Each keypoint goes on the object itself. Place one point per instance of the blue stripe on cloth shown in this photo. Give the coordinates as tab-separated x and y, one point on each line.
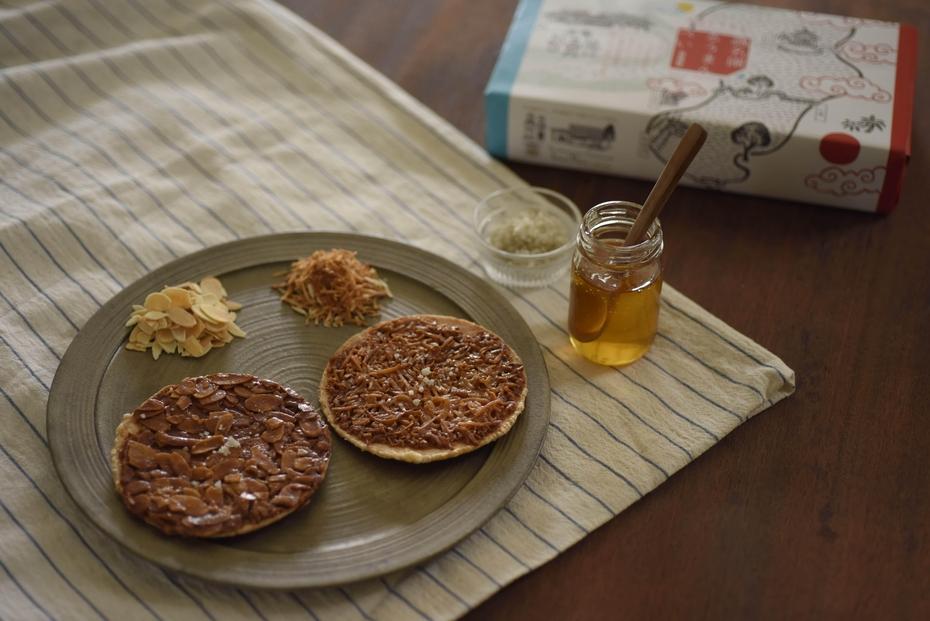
610	433
352	601
12	401
51	563
64	223
19	411
575	484
306	130
66	190
47	251
442	585
556	508
38	289
483	530
304	606
386	127
32	328
406	601
28	595
53	260
693	390
475	566
197	602
597	460
251	604
508	511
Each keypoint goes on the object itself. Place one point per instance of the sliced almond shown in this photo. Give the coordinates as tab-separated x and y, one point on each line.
181	317
213	285
196	331
194	348
179	334
217	312
157	302
180	298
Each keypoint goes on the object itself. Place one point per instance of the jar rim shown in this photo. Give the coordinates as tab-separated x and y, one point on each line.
624	212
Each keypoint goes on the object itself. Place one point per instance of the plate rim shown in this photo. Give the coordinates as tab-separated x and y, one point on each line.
70	371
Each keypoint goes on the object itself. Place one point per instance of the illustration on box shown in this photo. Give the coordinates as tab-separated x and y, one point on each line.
797	105
767	107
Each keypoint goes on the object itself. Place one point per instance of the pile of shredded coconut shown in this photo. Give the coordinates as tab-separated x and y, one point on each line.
333	287
528	231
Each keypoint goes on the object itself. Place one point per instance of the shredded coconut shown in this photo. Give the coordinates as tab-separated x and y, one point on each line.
528	231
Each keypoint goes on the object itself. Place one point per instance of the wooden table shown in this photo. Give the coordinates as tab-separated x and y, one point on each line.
819	507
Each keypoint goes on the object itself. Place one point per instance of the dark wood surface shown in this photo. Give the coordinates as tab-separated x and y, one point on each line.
820	506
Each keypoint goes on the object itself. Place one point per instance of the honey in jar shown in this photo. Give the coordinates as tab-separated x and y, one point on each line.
615	289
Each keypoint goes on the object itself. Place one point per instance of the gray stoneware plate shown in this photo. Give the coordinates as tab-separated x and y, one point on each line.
371	516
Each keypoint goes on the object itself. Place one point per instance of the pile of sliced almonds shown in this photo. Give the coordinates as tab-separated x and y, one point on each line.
189	319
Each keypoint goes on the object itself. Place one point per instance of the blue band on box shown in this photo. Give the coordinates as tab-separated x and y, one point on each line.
497	93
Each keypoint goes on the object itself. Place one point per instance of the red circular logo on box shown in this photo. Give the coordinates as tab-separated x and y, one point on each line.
839	148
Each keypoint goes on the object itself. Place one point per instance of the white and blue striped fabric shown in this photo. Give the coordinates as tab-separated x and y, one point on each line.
133	132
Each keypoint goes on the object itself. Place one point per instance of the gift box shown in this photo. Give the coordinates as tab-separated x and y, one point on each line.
797	105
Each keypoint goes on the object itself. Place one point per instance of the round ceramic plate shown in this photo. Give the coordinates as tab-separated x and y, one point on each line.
371	516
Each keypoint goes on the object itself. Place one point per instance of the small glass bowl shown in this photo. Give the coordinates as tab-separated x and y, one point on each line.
517	269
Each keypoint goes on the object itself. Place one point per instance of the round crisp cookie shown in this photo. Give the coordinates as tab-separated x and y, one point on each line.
219	455
423	388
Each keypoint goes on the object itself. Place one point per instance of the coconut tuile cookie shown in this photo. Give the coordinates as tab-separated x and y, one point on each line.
423	388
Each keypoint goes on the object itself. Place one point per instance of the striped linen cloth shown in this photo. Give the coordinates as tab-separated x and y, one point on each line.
133	132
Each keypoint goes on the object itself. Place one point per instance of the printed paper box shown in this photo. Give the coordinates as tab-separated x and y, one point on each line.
800	106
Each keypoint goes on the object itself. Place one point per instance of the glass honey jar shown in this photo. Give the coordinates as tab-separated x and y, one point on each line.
614	300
